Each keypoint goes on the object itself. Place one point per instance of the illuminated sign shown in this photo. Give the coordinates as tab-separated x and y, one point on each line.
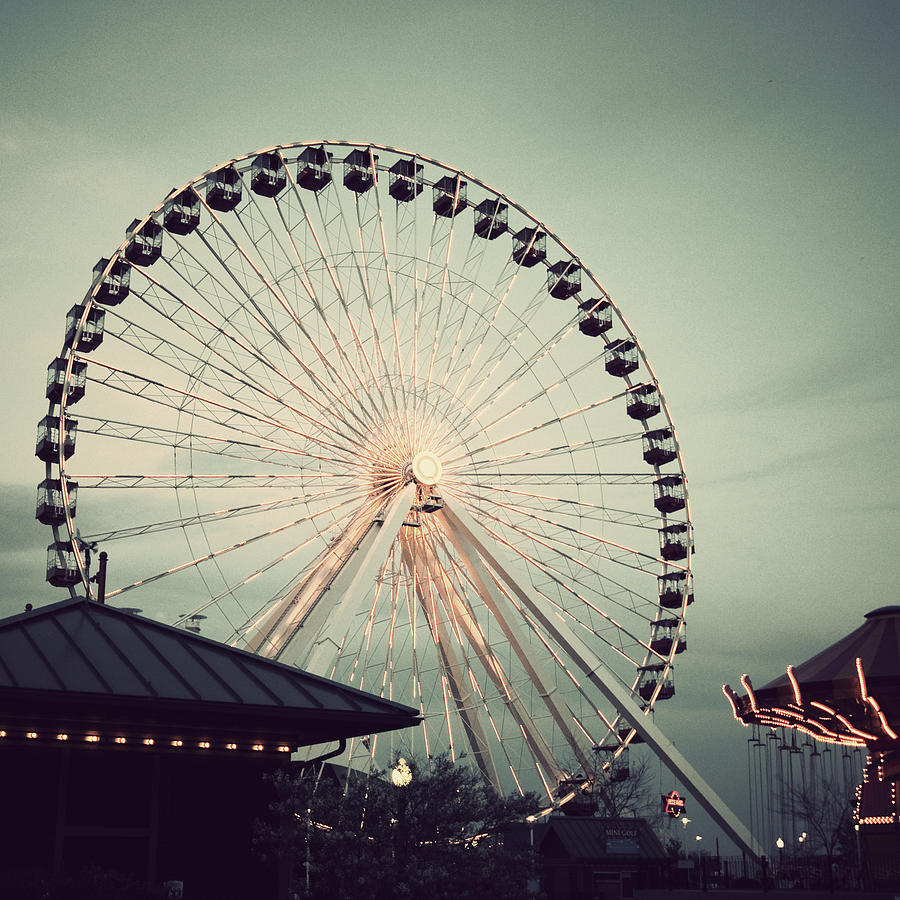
673	804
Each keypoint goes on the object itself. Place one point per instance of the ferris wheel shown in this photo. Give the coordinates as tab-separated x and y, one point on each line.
369	416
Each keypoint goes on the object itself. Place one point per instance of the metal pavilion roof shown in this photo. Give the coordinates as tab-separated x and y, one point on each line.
79	665
849	693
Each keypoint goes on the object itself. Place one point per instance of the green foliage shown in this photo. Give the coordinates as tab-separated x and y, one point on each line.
92	883
437	837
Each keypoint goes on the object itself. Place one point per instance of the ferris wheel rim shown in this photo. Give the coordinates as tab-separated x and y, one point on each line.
71	355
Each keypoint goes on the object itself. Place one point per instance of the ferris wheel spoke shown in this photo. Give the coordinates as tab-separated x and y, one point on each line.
196	481
519	407
327	254
543	453
296	319
546	478
638	605
306	281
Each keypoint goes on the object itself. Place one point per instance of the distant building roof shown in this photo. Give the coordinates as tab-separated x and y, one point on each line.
590	839
79	664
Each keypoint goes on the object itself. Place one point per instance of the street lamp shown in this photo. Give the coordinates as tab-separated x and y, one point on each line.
401	774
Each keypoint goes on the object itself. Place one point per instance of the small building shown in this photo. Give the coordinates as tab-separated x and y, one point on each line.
135	746
584	856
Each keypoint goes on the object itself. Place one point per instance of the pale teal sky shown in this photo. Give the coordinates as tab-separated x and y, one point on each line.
729	170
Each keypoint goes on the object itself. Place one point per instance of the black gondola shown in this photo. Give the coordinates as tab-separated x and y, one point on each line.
113	288
314	168
267	175
406	180
47	444
529	247
359	171
91	332
491	219
449	196
224	189
182	212
145	247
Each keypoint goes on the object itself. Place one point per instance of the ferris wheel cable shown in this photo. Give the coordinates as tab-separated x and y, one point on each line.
542	452
197	317
117	379
615	516
544	393
543	349
530	514
217	553
438	340
272	330
228	388
321	243
193	441
208	480
313	297
362	271
495	672
566	612
473	261
499	294
205	518
555	420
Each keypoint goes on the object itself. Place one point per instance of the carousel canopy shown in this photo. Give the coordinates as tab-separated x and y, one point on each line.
848	694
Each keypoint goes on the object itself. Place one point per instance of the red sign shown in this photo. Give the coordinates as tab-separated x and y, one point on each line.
673	804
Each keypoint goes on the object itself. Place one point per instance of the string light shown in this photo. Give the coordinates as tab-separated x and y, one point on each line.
121	740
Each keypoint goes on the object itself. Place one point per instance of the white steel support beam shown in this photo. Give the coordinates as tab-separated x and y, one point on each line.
535	741
423	572
350	585
277	625
518	633
604	680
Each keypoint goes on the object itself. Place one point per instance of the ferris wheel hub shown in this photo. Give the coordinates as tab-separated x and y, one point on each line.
427	468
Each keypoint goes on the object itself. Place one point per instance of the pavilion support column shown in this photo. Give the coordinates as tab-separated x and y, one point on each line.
62	805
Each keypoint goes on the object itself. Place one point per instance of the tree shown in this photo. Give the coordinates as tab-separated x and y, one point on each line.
626	791
827	811
439	836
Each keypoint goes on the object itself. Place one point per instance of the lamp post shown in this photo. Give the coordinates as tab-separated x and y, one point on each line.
779	843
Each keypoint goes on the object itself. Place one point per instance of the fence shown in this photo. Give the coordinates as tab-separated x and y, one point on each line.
787	873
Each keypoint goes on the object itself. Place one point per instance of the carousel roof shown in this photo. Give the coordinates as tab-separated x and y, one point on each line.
849	693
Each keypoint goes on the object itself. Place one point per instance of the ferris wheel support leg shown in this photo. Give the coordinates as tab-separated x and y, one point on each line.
517	632
306	646
463	698
605	682
495	671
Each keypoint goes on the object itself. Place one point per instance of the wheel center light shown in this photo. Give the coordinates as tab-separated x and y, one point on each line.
427	468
